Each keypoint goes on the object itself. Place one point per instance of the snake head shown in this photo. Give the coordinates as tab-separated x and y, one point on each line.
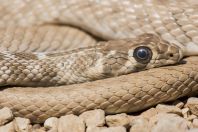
149	51
144	52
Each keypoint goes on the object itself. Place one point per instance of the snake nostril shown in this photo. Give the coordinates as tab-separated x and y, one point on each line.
171	55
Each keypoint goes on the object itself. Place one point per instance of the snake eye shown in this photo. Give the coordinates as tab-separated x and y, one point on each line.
142	54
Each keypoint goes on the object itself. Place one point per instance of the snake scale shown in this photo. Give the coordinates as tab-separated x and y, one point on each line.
34	32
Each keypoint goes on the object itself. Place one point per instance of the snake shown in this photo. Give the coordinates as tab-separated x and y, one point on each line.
62	57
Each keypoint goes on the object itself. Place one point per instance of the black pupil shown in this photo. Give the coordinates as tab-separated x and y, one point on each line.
142	53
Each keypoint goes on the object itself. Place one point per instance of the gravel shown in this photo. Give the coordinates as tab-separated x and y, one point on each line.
177	116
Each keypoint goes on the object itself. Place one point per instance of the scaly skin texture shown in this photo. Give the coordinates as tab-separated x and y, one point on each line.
106	59
43	38
173	20
127	93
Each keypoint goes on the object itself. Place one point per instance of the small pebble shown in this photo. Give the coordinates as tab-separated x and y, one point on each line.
93	118
5	115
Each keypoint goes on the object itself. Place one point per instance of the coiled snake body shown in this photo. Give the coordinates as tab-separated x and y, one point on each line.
24	29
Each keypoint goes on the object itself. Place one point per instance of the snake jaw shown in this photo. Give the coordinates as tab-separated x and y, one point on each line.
170	55
162	53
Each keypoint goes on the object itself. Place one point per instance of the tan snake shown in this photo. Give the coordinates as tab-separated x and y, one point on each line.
23	28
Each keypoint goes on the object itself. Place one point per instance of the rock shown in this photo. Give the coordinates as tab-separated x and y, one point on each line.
5	115
118	120
191	117
189	123
178	104
192	104
185	112
22	124
38	128
8	127
105	129
149	113
161	108
41	130
94	118
193	130
71	123
195	123
51	124
168	123
140	124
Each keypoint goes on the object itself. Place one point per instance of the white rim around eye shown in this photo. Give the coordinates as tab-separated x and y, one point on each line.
142	54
